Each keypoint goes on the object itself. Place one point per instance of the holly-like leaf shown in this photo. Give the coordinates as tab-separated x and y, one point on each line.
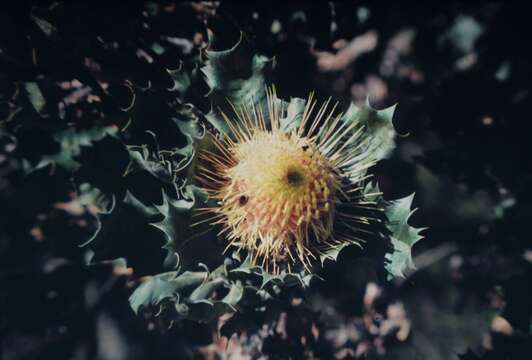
127	220
284	278
378	133
236	76
72	141
161	164
333	252
163	286
175	221
153	291
142	159
403	236
192	294
183	80
201	305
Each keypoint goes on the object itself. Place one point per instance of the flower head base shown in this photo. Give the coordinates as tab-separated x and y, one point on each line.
280	193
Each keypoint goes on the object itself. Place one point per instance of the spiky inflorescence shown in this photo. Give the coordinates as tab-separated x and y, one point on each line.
281	195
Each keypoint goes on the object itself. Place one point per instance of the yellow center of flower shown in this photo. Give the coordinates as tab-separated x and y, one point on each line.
280	194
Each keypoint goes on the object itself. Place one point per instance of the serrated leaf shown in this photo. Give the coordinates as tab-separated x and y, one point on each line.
205	290
403	236
266	278
182	79
72	141
163	286
142	159
147	211
175	221
202	304
378	133
203	309
247	266
128	219
195	133
164	165
333	252
152	292
236	76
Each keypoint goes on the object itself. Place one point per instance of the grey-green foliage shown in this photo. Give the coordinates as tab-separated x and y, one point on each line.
378	131
404	236
190	290
237	76
71	143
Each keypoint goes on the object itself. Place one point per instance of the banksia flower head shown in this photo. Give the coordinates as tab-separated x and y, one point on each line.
287	195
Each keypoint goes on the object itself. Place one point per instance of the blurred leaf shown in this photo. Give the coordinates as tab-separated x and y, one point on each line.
294	114
463	34
35	96
72	141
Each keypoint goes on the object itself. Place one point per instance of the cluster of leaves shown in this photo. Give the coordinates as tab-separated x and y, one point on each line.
144	223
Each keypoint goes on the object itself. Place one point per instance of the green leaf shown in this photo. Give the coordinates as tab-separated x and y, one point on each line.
200	301
153	291
284	278
294	114
163	286
35	96
333	252
235	294
463	34
72	141
45	26
205	290
200	307
175	223
161	164
194	130
378	131
403	236
236	76
183	80
126	220
142	159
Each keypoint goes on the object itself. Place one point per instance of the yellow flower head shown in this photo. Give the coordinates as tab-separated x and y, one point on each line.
279	192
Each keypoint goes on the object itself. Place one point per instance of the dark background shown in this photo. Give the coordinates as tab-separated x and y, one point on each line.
461	75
